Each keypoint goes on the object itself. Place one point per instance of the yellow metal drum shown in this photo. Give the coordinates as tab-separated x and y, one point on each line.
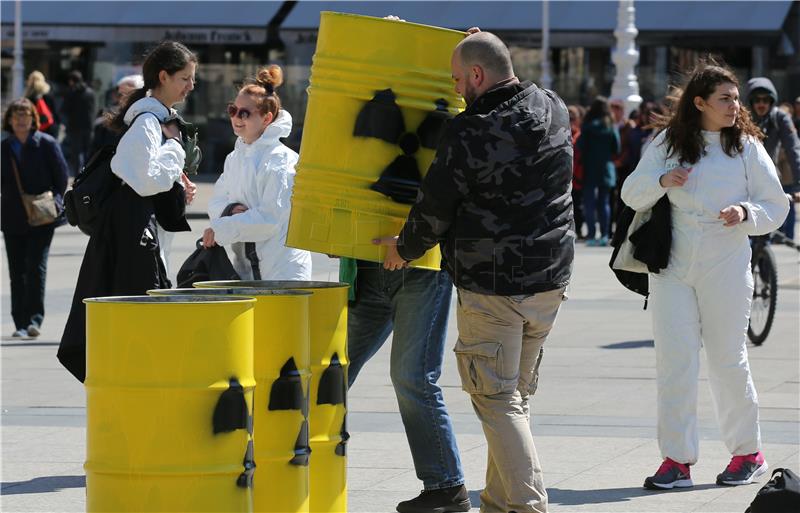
169	398
379	95
327	430
282	373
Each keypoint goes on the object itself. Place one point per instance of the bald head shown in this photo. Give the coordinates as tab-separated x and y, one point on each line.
486	50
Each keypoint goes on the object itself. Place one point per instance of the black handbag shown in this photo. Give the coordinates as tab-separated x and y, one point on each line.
781	494
206	264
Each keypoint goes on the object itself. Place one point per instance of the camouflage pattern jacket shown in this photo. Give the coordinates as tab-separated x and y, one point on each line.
498	195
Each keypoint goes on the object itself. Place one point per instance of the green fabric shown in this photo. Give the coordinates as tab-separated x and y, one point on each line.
348	269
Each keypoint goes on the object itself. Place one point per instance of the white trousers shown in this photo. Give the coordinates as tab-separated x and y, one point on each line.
703	300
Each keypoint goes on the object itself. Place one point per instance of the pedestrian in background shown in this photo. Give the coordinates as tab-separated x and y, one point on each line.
79	112
37	90
497	199
779	134
575	121
31	160
722	187
103	135
255	188
599	144
124	254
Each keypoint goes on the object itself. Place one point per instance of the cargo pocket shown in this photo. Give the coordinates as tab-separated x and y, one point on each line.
477	366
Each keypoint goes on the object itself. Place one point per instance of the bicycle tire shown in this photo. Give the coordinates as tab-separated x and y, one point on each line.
765	293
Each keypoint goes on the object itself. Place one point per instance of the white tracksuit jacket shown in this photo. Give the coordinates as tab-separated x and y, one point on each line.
702	298
260	176
141	149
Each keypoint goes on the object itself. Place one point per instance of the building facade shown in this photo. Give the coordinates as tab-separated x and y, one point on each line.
106	40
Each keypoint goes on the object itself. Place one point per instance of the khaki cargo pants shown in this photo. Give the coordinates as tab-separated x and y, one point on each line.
499	350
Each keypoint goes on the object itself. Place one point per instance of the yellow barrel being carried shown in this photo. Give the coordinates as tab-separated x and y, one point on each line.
380	94
282	374
169	398
327	409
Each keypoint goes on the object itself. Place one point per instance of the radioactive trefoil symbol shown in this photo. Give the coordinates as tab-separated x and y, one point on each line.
381	118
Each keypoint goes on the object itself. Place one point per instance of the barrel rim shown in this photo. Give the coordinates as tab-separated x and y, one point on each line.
229	291
271	284
184	299
385	20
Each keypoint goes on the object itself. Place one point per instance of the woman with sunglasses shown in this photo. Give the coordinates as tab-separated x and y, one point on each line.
249	209
124	255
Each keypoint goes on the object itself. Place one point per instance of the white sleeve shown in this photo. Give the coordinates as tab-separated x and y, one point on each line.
220	197
145	164
767	204
641	190
265	220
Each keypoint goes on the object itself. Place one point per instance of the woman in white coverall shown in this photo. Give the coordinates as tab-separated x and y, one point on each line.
252	198
722	187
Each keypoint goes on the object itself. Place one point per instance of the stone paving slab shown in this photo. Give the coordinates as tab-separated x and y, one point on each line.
593	416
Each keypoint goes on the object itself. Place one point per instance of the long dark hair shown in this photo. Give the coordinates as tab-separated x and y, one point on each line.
599	110
682	121
169	56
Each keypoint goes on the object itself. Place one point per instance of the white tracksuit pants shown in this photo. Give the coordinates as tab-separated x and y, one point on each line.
703	300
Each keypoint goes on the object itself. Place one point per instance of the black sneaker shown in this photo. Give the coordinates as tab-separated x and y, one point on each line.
743	470
443	500
670	474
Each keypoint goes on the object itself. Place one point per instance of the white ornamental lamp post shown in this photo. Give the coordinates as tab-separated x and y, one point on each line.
18	69
625	57
547	80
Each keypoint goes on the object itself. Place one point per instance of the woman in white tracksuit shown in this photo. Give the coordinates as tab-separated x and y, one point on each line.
252	198
722	187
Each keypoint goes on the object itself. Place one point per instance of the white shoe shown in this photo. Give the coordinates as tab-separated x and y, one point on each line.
33	331
20	334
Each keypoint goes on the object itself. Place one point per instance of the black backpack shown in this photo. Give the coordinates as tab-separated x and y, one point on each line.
84	202
781	494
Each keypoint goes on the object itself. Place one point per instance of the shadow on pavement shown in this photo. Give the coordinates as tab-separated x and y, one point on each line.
42	485
633	344
566	497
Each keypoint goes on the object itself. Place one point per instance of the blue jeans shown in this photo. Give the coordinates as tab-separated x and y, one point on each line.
415	303
595	201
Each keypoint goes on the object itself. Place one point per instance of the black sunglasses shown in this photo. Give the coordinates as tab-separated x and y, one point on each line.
236	112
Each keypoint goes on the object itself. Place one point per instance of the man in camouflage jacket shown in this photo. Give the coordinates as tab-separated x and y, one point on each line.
497	198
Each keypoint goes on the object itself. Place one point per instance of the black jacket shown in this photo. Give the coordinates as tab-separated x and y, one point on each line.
498	195
42	168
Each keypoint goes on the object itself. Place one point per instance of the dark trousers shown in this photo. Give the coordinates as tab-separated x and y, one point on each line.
79	144
27	269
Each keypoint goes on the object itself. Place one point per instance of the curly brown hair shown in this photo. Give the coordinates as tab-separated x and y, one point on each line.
682	121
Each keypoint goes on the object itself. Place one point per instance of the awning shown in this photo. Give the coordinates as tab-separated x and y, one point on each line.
568	16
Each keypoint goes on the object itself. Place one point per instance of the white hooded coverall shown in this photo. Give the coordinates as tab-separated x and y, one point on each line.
261	177
143	148
703	297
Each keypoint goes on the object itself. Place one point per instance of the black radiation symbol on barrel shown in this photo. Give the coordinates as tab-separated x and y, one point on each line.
287	394
231	413
381	118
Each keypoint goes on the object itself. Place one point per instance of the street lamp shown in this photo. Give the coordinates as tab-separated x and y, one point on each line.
18	69
625	56
547	80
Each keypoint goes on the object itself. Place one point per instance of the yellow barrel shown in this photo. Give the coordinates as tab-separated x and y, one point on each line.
327	408
380	93
169	401
282	373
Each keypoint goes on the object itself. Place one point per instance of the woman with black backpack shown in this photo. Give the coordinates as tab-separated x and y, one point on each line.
722	187
124	255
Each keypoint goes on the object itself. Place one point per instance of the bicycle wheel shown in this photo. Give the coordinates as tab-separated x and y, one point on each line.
765	295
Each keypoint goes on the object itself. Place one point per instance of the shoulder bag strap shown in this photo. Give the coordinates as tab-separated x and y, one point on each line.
19	187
